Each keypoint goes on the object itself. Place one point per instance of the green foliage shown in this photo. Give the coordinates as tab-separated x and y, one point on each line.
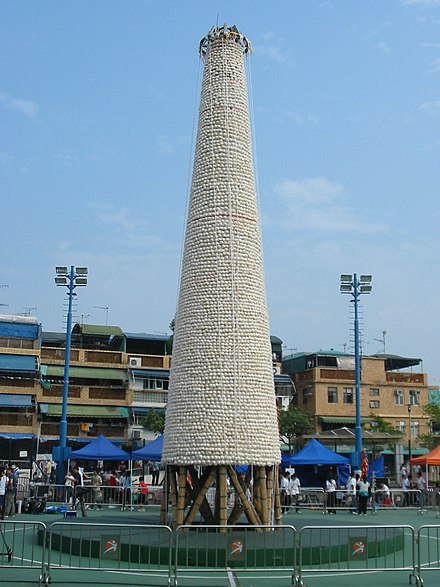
294	422
431	440
381	425
154	421
171	339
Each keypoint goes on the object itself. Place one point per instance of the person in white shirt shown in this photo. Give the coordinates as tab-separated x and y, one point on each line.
351	493
330	487
421	486
3	480
295	491
284	492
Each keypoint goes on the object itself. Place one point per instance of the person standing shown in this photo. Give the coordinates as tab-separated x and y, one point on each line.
143	494
421	486
97	490
155	472
330	487
407	487
9	494
364	489
295	491
351	493
284	492
2	492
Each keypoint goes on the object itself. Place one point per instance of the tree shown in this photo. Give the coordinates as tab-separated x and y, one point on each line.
171	338
154	421
293	423
431	440
378	424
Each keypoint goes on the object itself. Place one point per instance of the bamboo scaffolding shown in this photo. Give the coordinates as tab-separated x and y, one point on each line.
181	498
201	495
249	509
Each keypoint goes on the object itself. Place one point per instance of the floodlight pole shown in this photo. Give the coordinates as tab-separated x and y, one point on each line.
352	285
70	283
357	367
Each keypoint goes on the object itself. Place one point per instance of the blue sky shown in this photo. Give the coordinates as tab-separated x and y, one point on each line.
96	121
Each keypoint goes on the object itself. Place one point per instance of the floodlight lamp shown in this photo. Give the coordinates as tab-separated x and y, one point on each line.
61	280
365	289
61	270
81	271
346	288
81	281
346	278
366	278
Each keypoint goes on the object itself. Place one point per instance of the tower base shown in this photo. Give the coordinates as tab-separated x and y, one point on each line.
205	491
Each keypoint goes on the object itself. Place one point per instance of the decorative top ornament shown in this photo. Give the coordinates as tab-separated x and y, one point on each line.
226	33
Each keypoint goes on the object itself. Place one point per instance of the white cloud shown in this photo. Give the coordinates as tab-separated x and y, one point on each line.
431	107
424	3
318	204
383	47
26	107
272	48
436	66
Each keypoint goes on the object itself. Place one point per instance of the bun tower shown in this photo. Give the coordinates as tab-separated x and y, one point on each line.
221	428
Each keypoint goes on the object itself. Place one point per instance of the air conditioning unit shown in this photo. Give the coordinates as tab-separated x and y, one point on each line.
276	370
135	362
137	434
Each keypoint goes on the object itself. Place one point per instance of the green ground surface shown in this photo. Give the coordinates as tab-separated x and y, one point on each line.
24	551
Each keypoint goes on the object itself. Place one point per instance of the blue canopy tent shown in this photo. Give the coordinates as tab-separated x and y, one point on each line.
312	456
100	449
150	452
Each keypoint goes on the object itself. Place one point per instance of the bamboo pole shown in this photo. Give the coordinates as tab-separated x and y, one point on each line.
223	496
181	498
165	498
277	507
270	492
257	492
201	496
249	509
264	514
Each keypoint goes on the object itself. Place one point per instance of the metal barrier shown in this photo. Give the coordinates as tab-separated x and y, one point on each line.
22	546
428	554
336	549
143	549
208	549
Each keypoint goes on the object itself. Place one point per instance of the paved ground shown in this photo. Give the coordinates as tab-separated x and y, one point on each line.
87	578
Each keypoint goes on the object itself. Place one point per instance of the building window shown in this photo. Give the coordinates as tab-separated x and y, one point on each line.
156	384
401	427
399	398
374	392
332	395
415	429
374	404
348	395
414	397
307	394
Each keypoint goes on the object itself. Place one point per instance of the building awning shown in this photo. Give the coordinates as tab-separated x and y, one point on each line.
85	412
17	436
85	372
9	400
144	374
341	420
97	330
18	364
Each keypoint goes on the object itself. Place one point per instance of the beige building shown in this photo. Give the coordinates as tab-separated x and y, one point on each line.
393	388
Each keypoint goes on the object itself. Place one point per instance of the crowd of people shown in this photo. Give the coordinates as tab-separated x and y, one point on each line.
8	490
107	487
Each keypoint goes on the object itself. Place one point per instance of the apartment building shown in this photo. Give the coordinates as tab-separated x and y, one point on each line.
392	387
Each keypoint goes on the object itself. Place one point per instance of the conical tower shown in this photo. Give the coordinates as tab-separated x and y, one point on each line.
221	409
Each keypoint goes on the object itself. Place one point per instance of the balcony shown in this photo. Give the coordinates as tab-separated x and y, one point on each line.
410	378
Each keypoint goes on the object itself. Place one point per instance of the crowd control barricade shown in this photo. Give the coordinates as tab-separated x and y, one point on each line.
336	549
22	546
428	551
411	498
143	550
312	498
204	550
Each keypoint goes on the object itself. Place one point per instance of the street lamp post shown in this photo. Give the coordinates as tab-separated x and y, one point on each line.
75	277
351	284
409	435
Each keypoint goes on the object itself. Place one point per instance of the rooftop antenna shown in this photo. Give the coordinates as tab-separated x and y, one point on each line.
27	311
382	340
106	312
